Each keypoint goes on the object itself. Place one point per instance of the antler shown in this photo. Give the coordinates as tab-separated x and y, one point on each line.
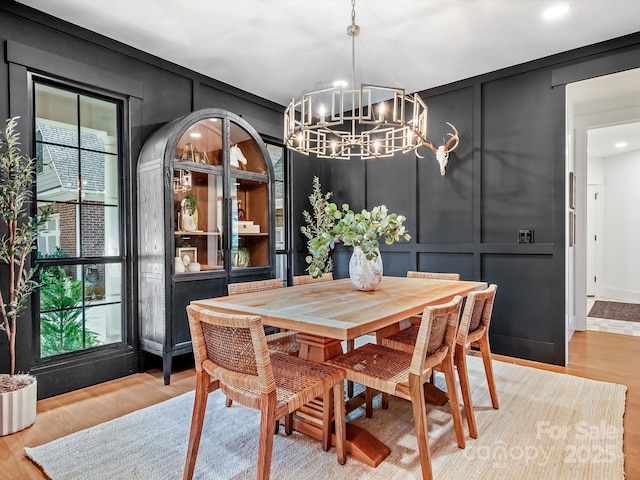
442	152
454	137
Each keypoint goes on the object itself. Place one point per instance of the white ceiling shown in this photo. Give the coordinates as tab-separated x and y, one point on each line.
281	48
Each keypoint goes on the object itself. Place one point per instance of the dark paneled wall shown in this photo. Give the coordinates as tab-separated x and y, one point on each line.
507	174
157	91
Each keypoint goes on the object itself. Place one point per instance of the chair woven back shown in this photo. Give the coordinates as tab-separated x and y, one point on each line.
257	286
433	276
477	312
436	335
304	279
235	346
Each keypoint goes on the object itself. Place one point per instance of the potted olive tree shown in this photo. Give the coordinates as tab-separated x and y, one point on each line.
329	224
18	393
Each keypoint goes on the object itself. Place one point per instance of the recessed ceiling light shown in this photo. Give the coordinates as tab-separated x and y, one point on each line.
621	144
557	11
340	83
195	135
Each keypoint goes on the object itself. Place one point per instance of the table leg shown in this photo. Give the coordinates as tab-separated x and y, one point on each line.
361	444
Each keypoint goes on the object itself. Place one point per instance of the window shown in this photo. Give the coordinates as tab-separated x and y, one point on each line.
277	155
80	249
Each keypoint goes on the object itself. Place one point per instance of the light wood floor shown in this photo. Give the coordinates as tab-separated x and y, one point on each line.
600	356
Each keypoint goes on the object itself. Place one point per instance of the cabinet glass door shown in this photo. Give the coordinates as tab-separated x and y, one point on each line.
250	223
198	198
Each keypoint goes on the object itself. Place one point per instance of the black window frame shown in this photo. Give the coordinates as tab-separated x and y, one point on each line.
127	285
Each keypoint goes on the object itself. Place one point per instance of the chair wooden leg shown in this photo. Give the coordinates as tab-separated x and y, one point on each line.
385	400
288	424
350	346
228	402
327	414
463	375
485	349
368	398
339	415
447	369
199	407
265	440
420	421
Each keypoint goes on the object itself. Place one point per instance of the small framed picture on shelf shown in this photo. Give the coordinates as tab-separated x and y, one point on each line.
190	252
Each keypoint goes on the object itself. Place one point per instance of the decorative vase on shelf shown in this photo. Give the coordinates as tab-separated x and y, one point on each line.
189	214
178	265
365	274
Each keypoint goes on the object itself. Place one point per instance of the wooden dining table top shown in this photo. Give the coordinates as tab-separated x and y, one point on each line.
337	310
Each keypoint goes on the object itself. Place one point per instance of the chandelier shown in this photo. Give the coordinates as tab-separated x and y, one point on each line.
369	122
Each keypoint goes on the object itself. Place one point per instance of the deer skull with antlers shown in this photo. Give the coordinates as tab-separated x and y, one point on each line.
442	152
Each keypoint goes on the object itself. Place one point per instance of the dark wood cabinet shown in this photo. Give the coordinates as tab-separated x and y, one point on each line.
205	219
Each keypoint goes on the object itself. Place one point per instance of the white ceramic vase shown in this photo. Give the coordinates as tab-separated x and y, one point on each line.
18	409
365	274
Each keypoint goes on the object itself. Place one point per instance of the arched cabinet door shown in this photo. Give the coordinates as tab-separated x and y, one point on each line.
206	218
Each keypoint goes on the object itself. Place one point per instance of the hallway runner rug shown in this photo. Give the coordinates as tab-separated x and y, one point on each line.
549	426
628	312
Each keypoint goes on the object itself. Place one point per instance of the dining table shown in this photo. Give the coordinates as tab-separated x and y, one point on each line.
327	313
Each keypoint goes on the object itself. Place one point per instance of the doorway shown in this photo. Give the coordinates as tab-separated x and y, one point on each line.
603	123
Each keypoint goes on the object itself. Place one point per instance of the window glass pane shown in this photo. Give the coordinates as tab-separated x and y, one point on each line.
100	230
56	115
98	125
202	143
276	152
59	236
244	152
61	314
104	309
58	178
49	238
99	173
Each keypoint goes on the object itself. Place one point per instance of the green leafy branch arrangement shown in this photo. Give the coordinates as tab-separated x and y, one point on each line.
318	230
329	225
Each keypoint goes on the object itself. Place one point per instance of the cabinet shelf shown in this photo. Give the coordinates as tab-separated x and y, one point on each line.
261	234
184	232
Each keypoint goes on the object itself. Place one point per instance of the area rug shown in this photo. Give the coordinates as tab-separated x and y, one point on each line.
549	425
628	312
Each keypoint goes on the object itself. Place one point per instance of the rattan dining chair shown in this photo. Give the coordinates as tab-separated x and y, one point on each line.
430	276
305	279
283	341
402	374
231	353
473	330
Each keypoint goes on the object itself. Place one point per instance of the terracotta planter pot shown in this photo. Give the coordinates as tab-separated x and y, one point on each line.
18	409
